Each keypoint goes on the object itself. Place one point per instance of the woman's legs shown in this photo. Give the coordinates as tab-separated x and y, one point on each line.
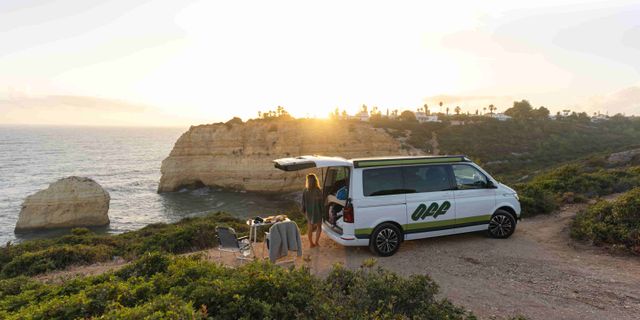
310	234
318	232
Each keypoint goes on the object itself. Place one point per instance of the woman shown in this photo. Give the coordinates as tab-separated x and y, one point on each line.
312	208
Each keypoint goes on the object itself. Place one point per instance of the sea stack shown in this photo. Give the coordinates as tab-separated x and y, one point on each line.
67	203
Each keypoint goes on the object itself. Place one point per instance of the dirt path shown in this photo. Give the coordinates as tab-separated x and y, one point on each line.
538	272
435	146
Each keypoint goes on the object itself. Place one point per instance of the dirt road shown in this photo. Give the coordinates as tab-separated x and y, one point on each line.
539	272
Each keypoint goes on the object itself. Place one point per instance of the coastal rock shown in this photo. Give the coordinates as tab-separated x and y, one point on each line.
66	203
624	157
239	155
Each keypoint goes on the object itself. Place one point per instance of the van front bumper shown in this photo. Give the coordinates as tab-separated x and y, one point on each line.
343	239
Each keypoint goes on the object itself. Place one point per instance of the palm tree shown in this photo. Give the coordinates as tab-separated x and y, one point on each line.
447	110
492	108
426	109
457	110
484	110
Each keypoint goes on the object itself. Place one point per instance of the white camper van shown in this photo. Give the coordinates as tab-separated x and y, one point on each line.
380	202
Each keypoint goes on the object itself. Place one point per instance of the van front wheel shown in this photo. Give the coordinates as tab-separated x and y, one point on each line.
385	240
502	225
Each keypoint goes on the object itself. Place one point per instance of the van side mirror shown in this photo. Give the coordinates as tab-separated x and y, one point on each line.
491	185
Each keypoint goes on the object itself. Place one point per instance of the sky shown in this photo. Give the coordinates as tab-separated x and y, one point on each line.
135	62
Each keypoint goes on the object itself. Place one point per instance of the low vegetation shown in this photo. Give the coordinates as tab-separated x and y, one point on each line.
574	182
84	247
157	286
615	223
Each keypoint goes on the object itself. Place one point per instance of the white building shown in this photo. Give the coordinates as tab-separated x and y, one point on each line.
422	117
499	116
362	116
599	118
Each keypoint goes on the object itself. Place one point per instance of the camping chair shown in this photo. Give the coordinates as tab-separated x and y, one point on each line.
228	241
267	239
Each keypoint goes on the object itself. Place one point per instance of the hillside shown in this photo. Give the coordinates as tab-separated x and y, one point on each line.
518	148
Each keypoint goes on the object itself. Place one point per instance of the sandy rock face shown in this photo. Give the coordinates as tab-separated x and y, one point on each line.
239	156
66	203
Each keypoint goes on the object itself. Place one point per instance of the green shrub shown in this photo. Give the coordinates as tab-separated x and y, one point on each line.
614	223
577	182
54	258
190	288
84	247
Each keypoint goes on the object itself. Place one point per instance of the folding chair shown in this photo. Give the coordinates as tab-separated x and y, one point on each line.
228	241
267	239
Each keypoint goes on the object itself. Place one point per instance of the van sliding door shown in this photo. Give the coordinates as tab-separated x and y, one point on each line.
430	205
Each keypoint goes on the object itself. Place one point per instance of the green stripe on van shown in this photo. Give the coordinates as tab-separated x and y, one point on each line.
364	231
397	162
408	228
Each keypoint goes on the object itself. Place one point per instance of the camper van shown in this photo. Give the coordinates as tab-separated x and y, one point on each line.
381	202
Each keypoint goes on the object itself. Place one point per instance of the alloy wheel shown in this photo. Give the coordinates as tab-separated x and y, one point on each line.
387	240
500	225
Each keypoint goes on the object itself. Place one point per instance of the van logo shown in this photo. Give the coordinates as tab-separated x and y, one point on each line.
434	210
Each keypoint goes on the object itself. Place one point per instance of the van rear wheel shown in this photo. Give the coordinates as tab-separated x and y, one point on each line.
502	225
385	240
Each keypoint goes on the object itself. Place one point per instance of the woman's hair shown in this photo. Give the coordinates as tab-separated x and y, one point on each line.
312	182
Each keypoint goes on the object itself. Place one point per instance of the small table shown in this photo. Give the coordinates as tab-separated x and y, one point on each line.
253	232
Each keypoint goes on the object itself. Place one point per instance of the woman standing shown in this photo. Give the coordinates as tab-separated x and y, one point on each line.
312	207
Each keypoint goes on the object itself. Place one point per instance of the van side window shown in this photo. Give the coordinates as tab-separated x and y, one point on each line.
383	181
427	178
468	177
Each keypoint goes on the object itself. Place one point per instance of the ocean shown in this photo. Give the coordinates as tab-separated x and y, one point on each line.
125	161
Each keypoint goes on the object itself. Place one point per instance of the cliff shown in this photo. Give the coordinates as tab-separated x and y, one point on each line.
239	155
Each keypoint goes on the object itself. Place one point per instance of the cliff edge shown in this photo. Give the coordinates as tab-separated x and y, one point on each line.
238	155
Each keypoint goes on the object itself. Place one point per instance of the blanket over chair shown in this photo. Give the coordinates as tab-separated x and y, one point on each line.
284	237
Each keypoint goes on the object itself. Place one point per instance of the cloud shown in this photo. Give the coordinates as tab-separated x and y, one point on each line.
625	101
83	110
67	101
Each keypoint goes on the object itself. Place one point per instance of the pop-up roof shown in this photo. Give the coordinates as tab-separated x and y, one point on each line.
306	162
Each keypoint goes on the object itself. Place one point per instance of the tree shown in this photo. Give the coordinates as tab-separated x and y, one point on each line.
520	110
457	110
426	109
540	113
492	108
408	116
484	110
447	110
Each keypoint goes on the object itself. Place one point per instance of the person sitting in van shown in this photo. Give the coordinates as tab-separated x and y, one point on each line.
312	208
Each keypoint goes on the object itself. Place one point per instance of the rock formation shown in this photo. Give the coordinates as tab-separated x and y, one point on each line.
66	203
624	157
239	155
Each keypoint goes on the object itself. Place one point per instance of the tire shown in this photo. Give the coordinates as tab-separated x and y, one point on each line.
502	225
385	240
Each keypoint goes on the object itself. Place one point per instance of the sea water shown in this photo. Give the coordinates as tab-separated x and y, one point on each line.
125	161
